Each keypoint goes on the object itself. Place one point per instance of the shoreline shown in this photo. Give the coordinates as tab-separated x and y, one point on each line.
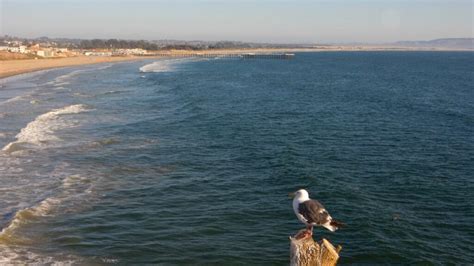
21	66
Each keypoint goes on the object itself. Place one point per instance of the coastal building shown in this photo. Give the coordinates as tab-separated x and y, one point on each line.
134	51
14	49
45	53
34	47
94	53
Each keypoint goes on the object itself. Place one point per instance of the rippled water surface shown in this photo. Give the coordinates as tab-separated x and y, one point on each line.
191	161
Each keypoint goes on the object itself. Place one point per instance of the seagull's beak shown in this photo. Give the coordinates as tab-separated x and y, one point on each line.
291	195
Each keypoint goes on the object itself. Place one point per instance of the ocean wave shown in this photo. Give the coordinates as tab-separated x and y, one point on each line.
18	77
104	67
65	79
14	99
101	143
25	216
10	165
80	94
41	131
114	92
165	65
159	66
69	75
74	190
22	256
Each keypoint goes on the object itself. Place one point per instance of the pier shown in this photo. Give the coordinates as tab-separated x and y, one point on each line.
284	56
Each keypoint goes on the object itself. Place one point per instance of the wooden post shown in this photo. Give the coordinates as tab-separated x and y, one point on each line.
305	252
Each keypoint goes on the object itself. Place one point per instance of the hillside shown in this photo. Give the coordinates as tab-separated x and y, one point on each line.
448	43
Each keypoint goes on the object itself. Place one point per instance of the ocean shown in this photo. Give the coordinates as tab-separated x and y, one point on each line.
190	161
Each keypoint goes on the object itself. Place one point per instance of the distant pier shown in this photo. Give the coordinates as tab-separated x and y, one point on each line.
284	56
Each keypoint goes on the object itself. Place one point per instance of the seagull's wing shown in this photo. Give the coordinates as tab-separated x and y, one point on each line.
314	212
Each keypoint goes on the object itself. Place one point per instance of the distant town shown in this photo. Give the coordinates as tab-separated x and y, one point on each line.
44	47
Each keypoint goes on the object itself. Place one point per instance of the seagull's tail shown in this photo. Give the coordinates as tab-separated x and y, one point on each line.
333	225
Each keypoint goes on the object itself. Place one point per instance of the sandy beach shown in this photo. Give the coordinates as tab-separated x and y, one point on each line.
15	67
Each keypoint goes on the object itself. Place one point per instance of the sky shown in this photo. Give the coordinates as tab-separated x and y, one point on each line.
283	21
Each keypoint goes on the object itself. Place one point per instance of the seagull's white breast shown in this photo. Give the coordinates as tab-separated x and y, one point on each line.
296	203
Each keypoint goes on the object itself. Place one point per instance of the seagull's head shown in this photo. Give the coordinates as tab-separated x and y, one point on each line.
300	194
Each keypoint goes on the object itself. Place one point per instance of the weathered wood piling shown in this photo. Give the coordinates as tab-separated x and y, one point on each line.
304	251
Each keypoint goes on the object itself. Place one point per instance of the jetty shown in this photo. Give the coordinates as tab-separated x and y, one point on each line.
284	56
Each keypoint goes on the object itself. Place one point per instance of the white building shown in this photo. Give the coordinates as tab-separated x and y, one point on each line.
14	49
22	49
135	51
91	53
45	53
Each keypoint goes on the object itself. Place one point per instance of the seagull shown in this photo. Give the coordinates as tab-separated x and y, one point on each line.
311	212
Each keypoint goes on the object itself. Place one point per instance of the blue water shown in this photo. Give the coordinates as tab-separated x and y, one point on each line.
191	161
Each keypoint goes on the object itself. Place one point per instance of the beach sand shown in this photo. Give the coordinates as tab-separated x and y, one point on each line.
15	67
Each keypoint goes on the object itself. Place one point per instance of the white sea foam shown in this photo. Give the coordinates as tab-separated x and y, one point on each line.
74	180
105	67
18	77
159	66
41	131
166	65
65	79
24	216
71	198
14	99
22	256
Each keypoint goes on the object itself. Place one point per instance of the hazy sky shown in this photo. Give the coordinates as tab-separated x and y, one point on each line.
244	20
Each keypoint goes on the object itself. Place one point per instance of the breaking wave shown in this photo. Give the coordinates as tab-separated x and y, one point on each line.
41	131
105	67
75	190
18	77
14	99
64	79
25	216
165	65
22	256
159	66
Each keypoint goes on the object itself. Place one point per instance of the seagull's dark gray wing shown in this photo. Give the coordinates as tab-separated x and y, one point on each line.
313	212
